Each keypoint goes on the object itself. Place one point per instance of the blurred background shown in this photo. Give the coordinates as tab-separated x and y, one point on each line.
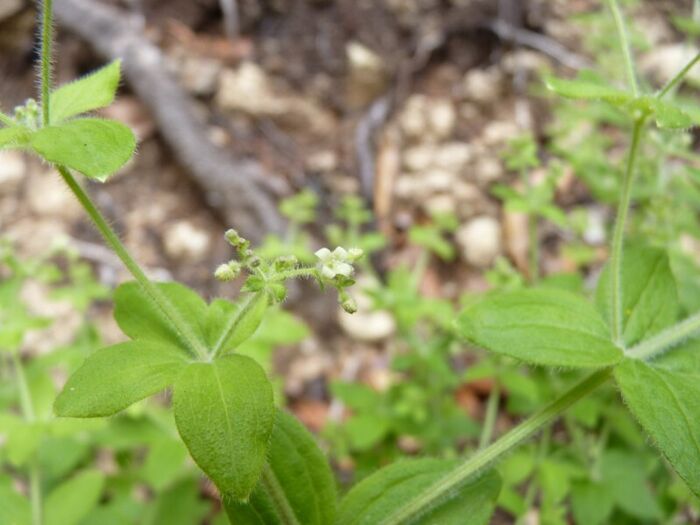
418	130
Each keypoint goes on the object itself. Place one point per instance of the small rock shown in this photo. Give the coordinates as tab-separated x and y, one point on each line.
419	158
442	117
488	170
184	240
453	156
366	324
663	62
407	187
412	119
51	197
437	180
483	85
321	161
440	204
12	169
248	89
200	75
499	132
480	241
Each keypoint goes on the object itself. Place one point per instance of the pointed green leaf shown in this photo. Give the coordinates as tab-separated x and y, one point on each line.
14	136
667	404
93	91
300	471
115	377
377	497
72	500
545	327
94	147
224	411
649	295
666	114
229	325
671	116
587	90
141	320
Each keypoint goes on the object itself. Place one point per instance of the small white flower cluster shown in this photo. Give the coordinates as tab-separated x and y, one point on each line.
337	262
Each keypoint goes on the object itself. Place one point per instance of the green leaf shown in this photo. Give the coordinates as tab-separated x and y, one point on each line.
666	114
587	90
14	508
591	503
666	403
180	505
165	462
224	411
300	471
115	377
14	136
141	320
72	500
649	295
624	474
228	325
94	147
93	91
377	497
544	327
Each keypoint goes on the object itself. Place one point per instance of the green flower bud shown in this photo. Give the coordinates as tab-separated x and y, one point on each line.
228	271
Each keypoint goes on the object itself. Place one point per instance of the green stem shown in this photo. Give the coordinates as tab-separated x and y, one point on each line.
169	313
619	233
531	493
490	418
625	45
25	400
485	458
678	77
247	304
279	500
667	339
46	42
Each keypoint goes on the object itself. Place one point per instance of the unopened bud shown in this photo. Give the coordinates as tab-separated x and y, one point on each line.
228	271
349	305
233	237
286	262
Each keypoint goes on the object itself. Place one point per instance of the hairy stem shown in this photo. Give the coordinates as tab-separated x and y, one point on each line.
678	77
625	45
169	313
667	339
490	418
619	233
279	500
46	43
488	456
25	400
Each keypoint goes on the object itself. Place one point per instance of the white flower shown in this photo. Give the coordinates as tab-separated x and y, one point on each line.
335	263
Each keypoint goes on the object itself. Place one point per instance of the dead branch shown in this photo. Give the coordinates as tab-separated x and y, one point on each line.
238	189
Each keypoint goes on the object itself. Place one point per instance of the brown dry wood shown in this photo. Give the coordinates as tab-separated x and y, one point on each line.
236	188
